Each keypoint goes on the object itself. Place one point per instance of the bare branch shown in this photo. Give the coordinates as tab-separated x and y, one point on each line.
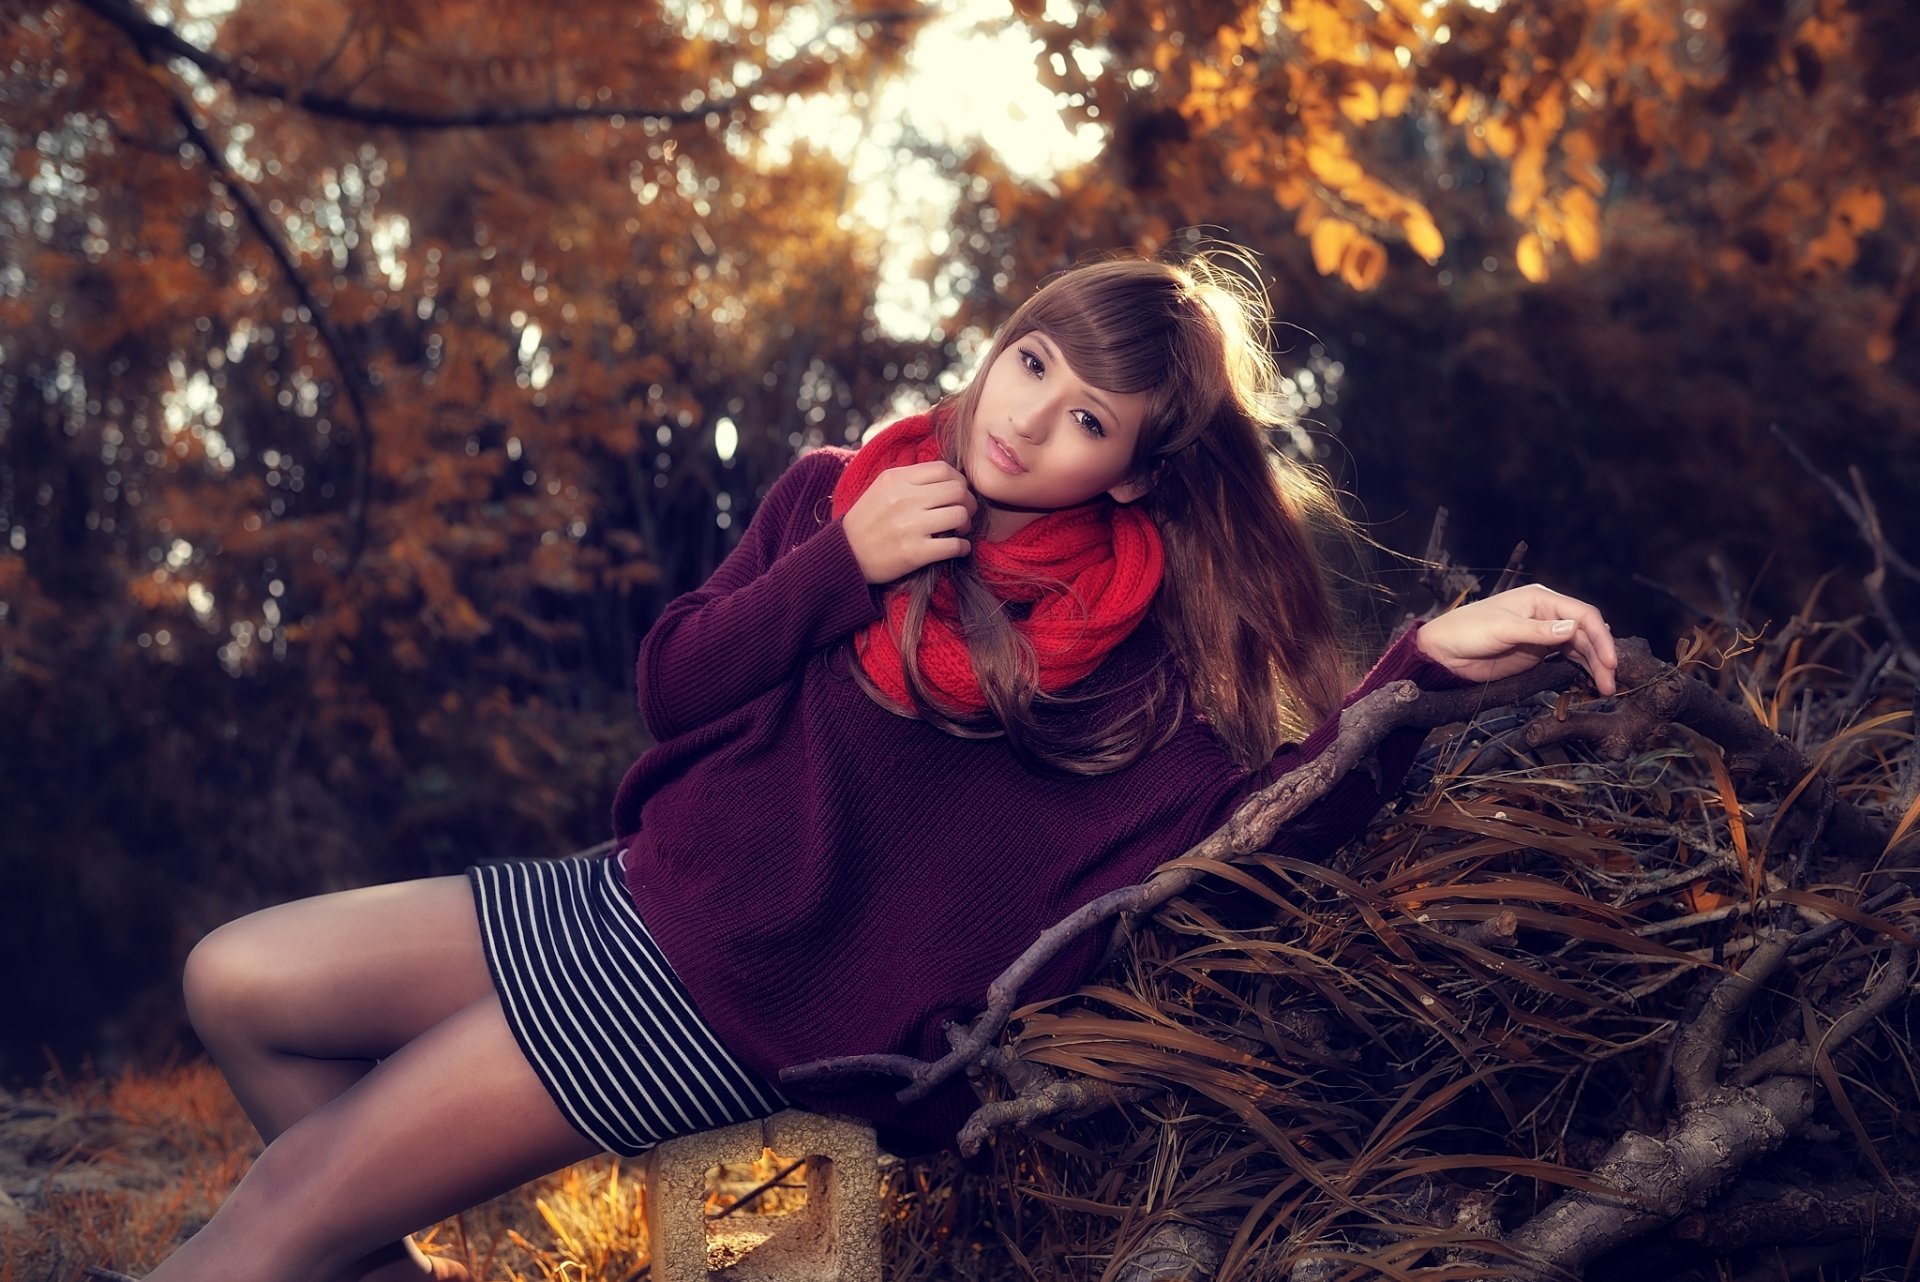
1443	580
1908	788
345	360
156	41
1757	1212
1866	518
1884	992
1058	1097
1697	1051
1175	1250
1498	931
1827	930
1859	509
1656	1180
1510	576
1721	1129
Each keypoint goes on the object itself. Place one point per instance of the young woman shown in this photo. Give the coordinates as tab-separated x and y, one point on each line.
1006	657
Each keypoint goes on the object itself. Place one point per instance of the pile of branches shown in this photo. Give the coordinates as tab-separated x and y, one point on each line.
1621	986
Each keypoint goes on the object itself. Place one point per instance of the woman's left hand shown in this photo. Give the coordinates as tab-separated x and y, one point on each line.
1514	630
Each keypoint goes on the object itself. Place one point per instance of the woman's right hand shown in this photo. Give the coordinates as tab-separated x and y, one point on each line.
1512	631
909	517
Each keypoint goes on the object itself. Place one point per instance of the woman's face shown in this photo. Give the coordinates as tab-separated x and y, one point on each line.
1042	438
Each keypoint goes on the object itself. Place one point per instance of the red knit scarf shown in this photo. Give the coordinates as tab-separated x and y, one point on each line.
1090	573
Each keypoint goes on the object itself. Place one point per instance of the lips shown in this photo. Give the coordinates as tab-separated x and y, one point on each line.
1003	458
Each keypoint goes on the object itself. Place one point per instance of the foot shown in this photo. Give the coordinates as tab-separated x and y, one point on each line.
417	1266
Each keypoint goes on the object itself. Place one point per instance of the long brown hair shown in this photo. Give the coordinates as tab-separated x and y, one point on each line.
1245	602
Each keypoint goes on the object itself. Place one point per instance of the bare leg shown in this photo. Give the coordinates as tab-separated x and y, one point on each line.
296	1003
454	1117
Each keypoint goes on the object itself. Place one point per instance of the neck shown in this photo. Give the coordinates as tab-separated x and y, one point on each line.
1005	522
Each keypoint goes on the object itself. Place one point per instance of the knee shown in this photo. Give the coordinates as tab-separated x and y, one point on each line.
228	981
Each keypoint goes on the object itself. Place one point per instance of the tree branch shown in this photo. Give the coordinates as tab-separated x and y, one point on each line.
1860	509
1177	1251
1857	507
1721	1129
1697	1049
1760	1213
1054	1096
344	358
156	40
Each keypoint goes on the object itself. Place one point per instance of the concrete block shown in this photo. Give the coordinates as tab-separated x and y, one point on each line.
836	1238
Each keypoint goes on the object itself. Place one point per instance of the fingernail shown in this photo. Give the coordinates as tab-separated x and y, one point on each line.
1562	627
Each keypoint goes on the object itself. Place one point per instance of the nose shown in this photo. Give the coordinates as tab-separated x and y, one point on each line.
1029	420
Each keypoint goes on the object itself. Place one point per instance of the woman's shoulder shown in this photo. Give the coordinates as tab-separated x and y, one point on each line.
818	468
801	498
827	459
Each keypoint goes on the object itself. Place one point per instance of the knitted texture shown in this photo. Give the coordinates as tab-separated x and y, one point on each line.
829	878
1089	572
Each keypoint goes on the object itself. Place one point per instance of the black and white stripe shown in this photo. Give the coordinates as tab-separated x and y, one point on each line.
598	1011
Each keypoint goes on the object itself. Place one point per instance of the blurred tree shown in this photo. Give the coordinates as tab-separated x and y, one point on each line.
370	373
1563	265
1781	134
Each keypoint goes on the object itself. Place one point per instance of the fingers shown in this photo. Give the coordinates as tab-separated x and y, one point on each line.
925	473
943	534
936	486
947	549
1577	629
954	497
910	517
1598	657
1489	637
946	520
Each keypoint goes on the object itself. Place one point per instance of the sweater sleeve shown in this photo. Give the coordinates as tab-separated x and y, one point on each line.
1342	814
789	588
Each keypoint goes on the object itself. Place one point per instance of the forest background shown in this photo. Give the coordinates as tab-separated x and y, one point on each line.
370	375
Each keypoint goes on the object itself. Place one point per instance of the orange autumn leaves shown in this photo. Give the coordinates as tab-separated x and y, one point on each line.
1345	115
1346	212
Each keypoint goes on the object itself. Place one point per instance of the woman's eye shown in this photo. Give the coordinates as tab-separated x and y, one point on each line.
1032	362
1091	424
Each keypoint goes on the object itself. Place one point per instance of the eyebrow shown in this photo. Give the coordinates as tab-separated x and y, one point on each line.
1093	393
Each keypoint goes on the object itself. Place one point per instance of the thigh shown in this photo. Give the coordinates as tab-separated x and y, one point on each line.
355	974
454	1117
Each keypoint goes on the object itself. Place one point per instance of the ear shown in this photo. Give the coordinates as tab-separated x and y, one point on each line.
1130	491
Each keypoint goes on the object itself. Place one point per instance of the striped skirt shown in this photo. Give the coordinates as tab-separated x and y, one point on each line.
602	1019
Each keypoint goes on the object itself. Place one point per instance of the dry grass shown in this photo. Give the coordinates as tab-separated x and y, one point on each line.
125	1168
1466	1008
129	1167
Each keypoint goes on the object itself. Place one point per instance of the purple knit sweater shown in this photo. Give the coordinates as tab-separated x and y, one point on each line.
831	878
